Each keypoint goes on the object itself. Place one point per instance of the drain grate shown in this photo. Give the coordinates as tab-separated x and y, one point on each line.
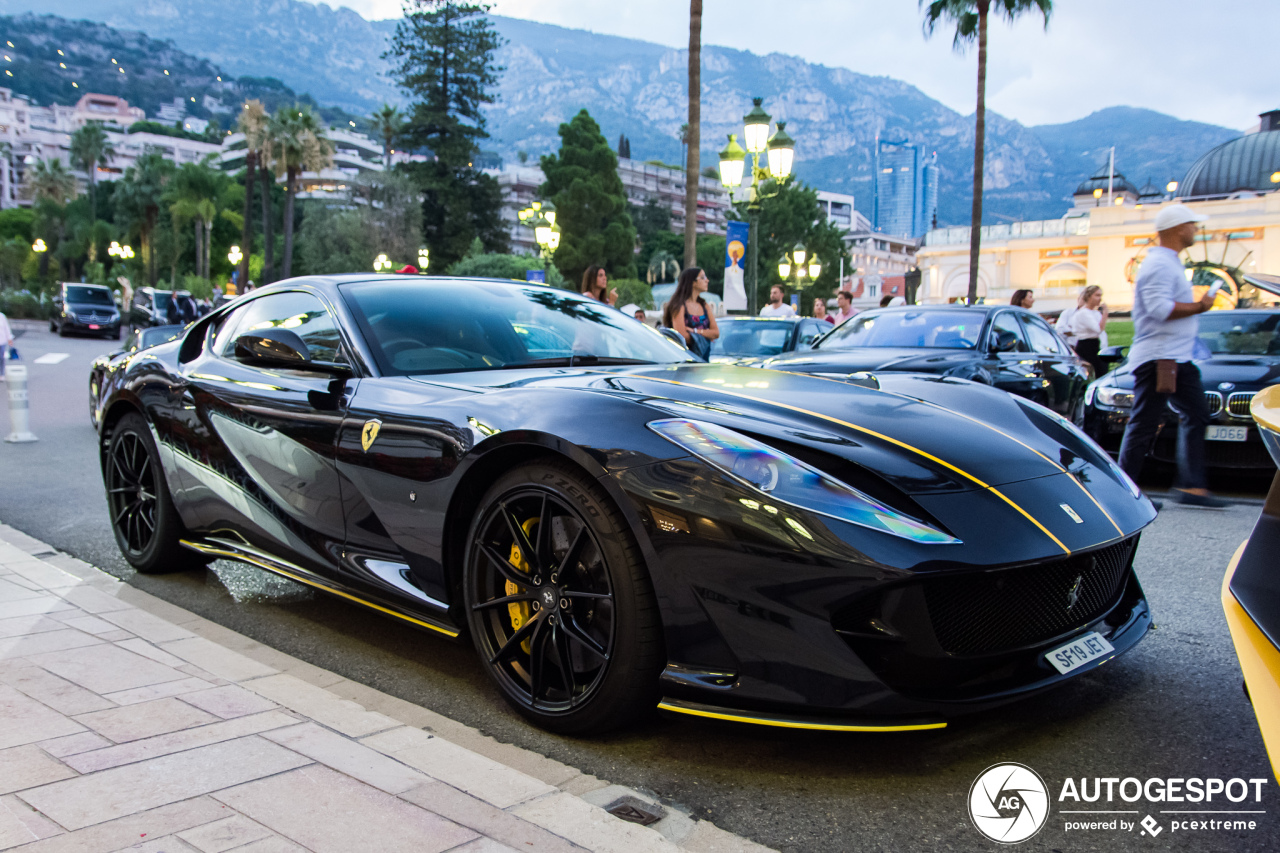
636	811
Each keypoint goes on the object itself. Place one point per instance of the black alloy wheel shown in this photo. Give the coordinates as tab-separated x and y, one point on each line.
559	602
143	518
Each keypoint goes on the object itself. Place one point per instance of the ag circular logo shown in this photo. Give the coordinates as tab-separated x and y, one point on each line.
1009	803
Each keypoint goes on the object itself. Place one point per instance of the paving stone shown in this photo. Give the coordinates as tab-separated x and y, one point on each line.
134	788
45	641
20	824
18	626
167	844
484	845
78	568
92	599
114	756
220	661
166	820
148	650
58	693
29	766
486	819
349	757
591	827
227	834
330	813
320	705
107	668
274	844
60	747
709	838
115	636
84	622
159	691
146	625
228	701
24	720
32	606
461	768
40	572
145	719
11	591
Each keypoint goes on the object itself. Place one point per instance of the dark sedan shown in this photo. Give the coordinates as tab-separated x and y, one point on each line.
138	339
1009	348
616	527
87	309
1241	357
744	339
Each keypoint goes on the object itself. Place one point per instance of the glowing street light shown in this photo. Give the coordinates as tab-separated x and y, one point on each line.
382	263
235	256
424	259
39	246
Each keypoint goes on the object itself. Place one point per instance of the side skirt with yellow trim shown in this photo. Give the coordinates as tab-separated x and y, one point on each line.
790	722
272	564
1260	663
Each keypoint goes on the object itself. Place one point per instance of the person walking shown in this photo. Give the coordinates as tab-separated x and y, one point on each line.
776	307
1165	334
688	313
820	310
595	283
1088	325
6	341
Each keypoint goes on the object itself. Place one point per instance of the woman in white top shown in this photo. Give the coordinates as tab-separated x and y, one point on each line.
1087	326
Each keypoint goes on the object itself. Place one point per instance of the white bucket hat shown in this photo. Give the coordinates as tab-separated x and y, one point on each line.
1175	215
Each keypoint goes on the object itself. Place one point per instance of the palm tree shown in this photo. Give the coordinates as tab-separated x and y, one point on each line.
693	139
970	19
89	149
138	200
51	185
297	144
663	266
388	122
253	124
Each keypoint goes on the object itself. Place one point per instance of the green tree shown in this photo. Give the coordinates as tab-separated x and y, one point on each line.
51	187
253	124
139	198
663	267
507	266
296	142
795	216
387	124
90	149
591	205
379	214
970	20
442	57
17	222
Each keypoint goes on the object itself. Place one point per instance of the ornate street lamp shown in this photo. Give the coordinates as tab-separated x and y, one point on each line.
382	263
424	259
780	150
235	256
807	267
39	246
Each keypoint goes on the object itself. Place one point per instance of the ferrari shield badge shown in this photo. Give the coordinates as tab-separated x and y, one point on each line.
369	433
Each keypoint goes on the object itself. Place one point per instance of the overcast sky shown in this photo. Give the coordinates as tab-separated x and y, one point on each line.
1189	58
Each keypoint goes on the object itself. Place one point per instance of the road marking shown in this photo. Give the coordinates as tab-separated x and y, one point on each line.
52	357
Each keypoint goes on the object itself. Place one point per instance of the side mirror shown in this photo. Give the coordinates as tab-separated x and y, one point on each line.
282	348
672	334
1005	341
1113	355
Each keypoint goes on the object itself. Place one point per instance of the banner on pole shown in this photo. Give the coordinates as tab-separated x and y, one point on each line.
735	267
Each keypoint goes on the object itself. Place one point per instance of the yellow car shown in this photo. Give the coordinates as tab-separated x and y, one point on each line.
1251	593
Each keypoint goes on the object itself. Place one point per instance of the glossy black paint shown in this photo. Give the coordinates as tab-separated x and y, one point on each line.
1054	379
277	466
138	339
84	317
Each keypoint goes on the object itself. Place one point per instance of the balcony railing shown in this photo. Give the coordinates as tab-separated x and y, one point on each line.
1074	227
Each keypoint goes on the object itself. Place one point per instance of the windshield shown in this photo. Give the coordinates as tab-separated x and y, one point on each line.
928	328
752	337
1235	333
440	326
164	299
89	296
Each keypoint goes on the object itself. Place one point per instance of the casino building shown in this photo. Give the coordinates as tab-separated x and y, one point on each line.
1102	241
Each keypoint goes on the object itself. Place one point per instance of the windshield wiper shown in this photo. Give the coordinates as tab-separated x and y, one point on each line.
574	361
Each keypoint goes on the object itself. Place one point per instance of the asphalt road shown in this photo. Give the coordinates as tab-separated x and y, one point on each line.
1171	708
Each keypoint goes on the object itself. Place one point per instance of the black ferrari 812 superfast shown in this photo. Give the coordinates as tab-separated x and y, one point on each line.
616	527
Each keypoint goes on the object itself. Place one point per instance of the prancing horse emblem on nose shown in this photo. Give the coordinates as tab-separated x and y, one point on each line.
1073	594
369	433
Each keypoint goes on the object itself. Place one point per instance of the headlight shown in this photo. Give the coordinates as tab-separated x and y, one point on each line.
788	480
1117	398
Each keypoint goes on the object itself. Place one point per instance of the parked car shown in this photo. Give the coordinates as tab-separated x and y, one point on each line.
617	527
748	339
153	307
85	308
137	340
1251	594
999	345
1242	357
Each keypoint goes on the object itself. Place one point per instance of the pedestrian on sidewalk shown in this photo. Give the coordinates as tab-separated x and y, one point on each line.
1088	325
6	341
776	307
1165	334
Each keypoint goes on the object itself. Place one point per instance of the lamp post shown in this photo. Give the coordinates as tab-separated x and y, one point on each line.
541	217
424	259
39	246
234	256
806	267
382	263
733	160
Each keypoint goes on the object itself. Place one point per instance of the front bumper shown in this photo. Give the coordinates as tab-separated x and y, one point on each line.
91	327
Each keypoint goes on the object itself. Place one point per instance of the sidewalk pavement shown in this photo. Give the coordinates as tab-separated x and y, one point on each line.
129	724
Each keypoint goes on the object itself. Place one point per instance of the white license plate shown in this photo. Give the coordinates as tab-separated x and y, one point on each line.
1079	652
93	325
1227	433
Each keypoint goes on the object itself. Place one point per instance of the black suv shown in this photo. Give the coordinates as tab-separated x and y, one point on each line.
155	307
87	308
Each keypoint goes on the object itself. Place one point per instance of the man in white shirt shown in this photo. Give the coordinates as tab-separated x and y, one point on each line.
776	307
1165	331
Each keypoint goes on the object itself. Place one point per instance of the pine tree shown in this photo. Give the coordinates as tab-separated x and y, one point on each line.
591	205
624	147
442	55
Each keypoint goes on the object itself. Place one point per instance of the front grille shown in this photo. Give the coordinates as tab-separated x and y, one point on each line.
1238	403
1214	401
988	612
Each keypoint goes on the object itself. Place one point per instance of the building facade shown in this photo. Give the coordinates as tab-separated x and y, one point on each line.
905	201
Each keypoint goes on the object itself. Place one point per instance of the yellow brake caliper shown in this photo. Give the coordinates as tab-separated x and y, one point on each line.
520	610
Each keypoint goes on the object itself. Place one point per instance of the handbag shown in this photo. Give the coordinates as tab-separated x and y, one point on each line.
1166	376
13	354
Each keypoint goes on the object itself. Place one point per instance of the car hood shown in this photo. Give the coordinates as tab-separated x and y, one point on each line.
880	359
1245	372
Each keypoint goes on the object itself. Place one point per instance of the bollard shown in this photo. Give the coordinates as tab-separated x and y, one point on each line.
16	378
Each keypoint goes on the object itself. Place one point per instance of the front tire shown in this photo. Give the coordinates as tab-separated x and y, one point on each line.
145	523
559	602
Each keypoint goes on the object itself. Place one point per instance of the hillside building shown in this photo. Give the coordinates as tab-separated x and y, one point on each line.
1235	184
354	154
905	188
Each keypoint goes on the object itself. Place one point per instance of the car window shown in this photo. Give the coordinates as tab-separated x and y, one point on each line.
1007	321
300	313
83	295
751	337
1238	333
925	327
1042	337
809	331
